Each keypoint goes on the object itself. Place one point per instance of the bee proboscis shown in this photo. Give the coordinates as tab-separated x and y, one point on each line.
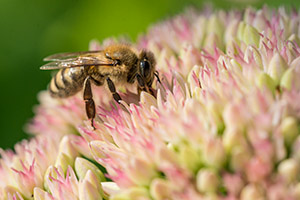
116	64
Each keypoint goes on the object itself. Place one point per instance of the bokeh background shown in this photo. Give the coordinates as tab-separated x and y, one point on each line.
33	29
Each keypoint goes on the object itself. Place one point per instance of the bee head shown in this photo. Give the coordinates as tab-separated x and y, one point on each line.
146	65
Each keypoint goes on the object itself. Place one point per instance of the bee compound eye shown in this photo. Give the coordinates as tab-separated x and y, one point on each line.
145	68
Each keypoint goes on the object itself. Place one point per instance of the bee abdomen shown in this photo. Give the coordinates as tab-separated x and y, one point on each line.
67	82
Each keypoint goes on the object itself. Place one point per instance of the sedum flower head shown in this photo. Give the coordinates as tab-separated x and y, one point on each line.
224	123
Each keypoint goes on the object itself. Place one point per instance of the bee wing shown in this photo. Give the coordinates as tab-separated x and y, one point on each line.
68	55
77	59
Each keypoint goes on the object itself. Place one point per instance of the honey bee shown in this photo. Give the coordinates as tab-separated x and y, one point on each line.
116	64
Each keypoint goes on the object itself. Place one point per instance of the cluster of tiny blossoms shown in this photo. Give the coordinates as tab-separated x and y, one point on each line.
224	123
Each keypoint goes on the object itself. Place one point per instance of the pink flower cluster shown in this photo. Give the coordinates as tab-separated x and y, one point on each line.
224	124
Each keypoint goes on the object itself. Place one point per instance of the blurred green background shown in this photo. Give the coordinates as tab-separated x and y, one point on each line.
33	29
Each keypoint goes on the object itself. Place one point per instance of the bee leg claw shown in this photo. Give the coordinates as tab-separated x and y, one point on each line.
92	123
89	102
117	97
112	89
156	74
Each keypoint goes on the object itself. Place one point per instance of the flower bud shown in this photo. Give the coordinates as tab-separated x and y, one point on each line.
290	78
233	183
289	129
211	41
251	36
82	166
240	31
120	197
248	34
110	188
160	189
231	31
211	196
67	148
215	112
148	100
66	155
287	79
141	172
214	153
207	181
63	161
260	20
264	80
251	192
215	26
277	67
189	157
134	193
90	187
234	117
289	170
239	157
232	137
296	191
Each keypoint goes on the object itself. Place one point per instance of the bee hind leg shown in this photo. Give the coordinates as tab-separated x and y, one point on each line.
89	102
112	89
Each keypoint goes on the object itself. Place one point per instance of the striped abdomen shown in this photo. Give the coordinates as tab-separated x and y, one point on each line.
67	82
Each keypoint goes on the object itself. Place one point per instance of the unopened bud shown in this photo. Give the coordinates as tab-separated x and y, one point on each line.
251	192
207	181
289	170
277	67
289	129
82	166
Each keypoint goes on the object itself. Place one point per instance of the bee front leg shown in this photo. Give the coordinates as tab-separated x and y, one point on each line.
112	89
142	85
89	102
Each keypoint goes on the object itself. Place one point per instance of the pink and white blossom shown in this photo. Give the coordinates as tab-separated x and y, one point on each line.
224	123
